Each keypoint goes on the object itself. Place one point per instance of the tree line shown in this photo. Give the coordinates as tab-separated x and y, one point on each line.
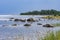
42	12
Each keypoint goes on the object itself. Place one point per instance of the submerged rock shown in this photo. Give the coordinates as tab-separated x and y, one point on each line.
39	19
14	25
11	18
47	25
39	24
4	25
27	25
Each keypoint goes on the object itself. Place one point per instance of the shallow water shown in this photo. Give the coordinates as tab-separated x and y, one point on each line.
9	32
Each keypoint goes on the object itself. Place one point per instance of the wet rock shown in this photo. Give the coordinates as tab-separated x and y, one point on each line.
36	20
16	20
14	25
22	20
27	25
4	25
47	25
39	24
39	19
11	18
30	20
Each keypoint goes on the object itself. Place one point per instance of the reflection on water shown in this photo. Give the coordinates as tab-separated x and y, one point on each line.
20	32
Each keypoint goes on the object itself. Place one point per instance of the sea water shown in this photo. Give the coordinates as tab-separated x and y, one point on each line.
21	32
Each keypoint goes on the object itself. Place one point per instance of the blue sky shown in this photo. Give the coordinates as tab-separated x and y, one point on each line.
18	6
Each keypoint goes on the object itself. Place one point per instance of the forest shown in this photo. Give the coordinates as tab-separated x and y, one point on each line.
42	12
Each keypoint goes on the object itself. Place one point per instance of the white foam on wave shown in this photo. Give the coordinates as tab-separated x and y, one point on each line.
5	15
4	19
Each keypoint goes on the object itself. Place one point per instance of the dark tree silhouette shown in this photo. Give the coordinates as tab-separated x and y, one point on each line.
42	12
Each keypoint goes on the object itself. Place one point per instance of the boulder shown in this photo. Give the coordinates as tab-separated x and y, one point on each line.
27	25
16	20
11	19
22	20
47	25
30	20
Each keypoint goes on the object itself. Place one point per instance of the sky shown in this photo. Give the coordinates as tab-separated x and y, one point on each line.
19	6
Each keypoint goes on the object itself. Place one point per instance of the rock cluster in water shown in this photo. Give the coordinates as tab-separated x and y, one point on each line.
30	20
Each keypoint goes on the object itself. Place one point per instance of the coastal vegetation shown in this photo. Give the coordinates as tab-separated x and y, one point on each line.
56	24
52	17
53	36
42	12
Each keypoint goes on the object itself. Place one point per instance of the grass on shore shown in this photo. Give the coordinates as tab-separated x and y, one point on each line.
53	36
52	17
56	24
